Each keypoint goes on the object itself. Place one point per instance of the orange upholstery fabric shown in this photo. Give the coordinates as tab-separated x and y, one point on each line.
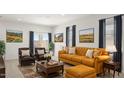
67	75
77	58
80	58
81	51
104	52
102	58
80	71
61	52
67	56
88	61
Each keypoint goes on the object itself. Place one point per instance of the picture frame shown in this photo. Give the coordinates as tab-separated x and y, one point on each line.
14	36
58	37
86	35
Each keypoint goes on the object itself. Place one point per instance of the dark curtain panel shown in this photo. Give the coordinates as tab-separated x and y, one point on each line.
102	33
50	37
73	35
118	38
67	36
31	41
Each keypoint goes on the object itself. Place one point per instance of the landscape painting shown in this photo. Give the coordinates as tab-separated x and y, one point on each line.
13	36
58	37
86	35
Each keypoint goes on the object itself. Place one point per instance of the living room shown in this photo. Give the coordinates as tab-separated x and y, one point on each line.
45	32
71	46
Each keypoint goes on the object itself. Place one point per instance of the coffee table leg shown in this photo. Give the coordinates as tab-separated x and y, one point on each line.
104	71
46	74
108	70
114	74
118	73
62	70
36	68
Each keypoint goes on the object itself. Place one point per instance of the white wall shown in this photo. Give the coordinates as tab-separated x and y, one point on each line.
12	48
91	21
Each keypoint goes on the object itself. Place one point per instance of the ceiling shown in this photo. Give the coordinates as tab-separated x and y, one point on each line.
41	19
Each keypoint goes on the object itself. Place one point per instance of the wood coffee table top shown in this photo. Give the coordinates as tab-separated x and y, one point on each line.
45	65
42	66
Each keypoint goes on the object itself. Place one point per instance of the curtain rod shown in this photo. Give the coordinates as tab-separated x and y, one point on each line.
112	17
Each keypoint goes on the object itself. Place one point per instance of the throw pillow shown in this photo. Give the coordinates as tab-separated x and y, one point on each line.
97	53
89	53
66	49
40	51
25	52
72	50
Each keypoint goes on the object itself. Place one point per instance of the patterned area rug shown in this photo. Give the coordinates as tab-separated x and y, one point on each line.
30	71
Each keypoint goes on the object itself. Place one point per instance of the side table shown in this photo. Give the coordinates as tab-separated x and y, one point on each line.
115	66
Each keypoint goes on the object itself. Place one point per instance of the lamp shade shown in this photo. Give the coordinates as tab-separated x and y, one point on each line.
111	48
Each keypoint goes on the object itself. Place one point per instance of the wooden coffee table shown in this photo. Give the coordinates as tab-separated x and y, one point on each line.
49	70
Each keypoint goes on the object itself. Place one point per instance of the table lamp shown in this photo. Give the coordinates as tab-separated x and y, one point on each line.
111	50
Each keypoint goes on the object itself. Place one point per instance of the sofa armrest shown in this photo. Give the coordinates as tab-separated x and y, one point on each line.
62	52
102	58
99	60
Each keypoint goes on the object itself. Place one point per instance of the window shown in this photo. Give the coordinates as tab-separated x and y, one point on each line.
109	34
36	37
41	40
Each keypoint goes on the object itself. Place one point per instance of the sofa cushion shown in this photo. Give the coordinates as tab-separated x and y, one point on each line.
27	58
81	51
80	71
41	56
88	61
66	56
77	58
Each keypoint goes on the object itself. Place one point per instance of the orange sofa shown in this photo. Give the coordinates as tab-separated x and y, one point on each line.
80	58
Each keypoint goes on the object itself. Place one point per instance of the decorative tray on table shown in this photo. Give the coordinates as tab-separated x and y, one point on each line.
52	63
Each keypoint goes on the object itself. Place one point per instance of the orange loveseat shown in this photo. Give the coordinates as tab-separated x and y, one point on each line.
80	58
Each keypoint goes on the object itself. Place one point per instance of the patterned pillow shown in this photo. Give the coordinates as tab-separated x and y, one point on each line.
97	53
66	49
72	50
89	53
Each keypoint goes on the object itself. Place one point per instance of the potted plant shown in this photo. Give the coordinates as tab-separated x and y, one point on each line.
2	48
51	48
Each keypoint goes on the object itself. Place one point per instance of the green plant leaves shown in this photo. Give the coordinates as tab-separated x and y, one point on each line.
51	46
2	47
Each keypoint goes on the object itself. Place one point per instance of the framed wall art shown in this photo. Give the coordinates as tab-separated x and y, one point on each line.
14	36
58	37
86	35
